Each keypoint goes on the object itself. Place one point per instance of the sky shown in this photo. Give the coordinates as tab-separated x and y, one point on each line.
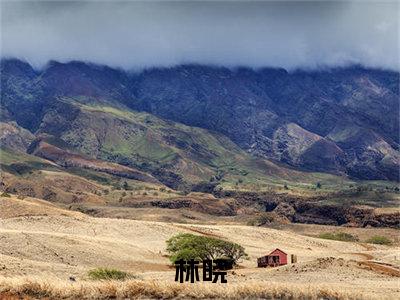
134	34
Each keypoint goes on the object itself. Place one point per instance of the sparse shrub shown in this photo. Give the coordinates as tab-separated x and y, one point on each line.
123	194
162	189
318	185
144	194
125	186
5	194
285	187
155	194
107	274
338	236
219	189
380	240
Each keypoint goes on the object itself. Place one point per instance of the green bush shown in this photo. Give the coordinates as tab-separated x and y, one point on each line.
107	274
338	236
380	240
188	246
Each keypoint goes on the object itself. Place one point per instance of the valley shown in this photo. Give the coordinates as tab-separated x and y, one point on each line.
99	167
178	150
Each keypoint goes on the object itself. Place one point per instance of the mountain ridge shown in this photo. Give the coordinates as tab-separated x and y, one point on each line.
346	119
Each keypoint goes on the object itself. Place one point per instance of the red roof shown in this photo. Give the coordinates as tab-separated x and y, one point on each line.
278	250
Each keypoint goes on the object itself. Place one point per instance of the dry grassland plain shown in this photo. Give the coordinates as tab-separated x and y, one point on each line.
42	247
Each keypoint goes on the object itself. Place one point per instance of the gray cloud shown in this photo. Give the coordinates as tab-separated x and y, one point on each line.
255	34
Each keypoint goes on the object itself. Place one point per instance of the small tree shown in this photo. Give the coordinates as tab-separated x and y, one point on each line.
189	246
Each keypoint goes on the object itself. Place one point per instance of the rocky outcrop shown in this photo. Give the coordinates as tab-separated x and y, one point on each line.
318	213
314	210
203	204
284	209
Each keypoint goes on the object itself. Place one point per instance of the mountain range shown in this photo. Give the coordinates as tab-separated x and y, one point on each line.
192	124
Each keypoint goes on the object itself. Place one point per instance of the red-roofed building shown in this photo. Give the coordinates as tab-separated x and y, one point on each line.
274	259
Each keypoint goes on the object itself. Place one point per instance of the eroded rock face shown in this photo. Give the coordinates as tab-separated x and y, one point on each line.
323	214
285	210
212	206
383	220
313	210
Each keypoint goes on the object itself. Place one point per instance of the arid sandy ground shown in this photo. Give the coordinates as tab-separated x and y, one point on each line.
40	240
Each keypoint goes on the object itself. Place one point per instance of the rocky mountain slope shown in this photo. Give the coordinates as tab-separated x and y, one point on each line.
337	121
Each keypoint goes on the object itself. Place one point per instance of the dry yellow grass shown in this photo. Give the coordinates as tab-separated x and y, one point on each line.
13	207
41	246
133	289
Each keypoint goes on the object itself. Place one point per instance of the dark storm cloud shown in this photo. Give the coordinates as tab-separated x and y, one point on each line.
138	34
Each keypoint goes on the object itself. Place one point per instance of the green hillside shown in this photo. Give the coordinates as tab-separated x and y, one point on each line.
179	155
